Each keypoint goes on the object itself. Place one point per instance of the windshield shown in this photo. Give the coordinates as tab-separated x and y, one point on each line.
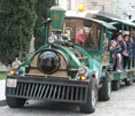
83	32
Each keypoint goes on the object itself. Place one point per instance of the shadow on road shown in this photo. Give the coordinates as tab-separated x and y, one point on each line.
51	106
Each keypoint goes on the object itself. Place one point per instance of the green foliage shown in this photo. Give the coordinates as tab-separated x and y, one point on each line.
17	19
2	75
42	10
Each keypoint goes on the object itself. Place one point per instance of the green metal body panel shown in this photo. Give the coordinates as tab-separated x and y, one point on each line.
57	16
74	61
119	75
123	75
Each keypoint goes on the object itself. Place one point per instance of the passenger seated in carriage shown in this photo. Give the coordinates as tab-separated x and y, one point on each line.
122	48
132	51
126	51
115	49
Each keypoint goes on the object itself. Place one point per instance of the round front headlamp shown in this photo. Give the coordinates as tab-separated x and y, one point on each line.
12	72
48	62
82	73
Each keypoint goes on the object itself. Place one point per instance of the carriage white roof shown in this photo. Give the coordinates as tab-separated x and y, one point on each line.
57	8
116	19
87	15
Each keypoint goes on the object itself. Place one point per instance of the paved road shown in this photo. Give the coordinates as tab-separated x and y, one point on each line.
122	103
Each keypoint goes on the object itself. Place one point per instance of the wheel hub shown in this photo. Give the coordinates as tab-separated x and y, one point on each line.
109	89
93	96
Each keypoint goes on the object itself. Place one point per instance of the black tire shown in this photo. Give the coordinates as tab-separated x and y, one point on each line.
15	102
90	106
115	85
104	93
128	82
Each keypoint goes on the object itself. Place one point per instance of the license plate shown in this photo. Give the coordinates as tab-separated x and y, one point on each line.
11	83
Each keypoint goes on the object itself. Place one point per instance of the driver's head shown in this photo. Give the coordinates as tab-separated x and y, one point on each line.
81	30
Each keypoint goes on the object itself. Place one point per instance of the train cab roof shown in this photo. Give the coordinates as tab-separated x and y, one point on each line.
114	19
133	20
88	16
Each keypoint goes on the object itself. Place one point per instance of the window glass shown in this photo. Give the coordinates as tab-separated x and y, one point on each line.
83	32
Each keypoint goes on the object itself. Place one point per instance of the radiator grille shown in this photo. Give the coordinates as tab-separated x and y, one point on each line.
49	91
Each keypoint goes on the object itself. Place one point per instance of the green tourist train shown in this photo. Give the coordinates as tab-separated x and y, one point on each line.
75	63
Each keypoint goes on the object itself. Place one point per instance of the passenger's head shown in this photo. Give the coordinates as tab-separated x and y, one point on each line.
81	30
132	34
126	37
119	36
114	44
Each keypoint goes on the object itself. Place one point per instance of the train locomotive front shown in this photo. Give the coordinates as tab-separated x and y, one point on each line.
60	71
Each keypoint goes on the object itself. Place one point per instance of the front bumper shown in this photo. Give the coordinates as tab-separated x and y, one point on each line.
50	89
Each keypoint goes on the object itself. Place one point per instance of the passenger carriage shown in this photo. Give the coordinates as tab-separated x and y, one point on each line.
127	75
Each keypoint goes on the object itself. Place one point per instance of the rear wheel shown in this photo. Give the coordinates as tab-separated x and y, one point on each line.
115	85
105	91
15	102
128	82
90	106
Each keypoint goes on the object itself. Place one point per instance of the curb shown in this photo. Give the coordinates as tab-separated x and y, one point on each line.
2	93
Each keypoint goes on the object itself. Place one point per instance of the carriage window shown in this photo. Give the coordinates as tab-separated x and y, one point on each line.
83	32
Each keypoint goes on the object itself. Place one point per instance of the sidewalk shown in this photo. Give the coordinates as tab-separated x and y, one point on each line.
2	92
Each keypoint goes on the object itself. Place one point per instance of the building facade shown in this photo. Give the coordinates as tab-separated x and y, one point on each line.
89	4
126	9
121	8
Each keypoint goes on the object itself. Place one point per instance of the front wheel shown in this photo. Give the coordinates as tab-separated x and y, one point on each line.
90	106
105	91
15	102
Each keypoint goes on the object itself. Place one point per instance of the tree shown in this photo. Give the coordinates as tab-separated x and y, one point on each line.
42	10
17	19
